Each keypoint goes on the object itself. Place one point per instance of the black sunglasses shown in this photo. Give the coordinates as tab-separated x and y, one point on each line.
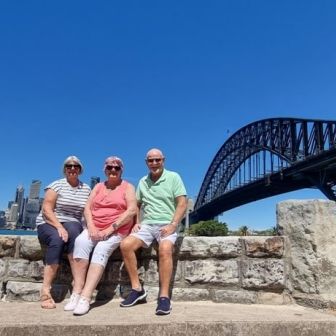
154	160
72	166
117	168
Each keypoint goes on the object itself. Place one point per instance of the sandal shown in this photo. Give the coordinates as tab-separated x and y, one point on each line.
47	302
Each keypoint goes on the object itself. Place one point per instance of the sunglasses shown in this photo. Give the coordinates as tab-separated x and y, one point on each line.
117	168
70	166
154	160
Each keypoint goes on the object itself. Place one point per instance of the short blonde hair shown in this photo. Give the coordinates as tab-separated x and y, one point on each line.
73	158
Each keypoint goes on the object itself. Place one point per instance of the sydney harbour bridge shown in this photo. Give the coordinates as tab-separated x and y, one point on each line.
267	158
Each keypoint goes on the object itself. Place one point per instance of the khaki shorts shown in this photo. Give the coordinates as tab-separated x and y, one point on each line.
149	232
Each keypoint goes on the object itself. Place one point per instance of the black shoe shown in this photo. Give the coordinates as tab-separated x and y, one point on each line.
133	298
164	307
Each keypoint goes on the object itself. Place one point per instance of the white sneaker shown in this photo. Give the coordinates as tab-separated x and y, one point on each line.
71	305
83	306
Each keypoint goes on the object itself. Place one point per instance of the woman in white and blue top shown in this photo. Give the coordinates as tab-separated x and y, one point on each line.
60	222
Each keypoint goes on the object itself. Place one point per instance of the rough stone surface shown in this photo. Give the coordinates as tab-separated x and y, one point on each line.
190	294
263	246
3	268
274	298
186	318
235	296
300	265
26	291
208	247
262	274
7	246
30	248
310	227
22	269
224	272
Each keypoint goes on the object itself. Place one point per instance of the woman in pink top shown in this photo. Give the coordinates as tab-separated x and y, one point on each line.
110	212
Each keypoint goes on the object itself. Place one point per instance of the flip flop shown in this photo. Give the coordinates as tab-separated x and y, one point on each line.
47	302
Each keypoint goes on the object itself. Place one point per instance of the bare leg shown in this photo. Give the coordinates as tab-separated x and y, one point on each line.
49	275
94	274
165	266
78	268
128	248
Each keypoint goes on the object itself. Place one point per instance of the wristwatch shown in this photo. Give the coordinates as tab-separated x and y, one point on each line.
115	226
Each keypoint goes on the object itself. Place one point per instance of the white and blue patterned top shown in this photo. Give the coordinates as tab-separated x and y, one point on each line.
70	201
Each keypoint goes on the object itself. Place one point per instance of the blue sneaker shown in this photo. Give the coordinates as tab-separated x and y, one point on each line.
164	307
133	298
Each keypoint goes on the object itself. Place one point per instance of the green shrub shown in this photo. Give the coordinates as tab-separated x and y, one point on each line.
210	228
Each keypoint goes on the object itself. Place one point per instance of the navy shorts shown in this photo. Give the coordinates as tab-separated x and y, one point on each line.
48	235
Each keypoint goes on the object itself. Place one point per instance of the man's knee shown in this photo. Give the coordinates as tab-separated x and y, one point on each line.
129	244
166	249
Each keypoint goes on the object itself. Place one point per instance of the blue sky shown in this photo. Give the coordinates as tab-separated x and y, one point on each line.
104	78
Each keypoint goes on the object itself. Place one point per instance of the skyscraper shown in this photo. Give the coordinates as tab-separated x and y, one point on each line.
19	199
2	219
32	207
34	192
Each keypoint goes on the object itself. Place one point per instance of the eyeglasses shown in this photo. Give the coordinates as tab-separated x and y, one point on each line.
116	168
70	166
154	160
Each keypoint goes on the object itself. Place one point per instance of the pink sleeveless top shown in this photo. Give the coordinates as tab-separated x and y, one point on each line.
108	205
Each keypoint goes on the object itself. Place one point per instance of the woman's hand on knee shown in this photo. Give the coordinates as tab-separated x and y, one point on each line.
94	233
63	233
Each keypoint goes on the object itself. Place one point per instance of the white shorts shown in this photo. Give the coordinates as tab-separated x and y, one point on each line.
149	232
102	249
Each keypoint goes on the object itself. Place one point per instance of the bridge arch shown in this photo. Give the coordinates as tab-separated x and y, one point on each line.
269	157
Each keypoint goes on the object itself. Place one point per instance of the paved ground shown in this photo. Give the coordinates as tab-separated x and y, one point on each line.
186	318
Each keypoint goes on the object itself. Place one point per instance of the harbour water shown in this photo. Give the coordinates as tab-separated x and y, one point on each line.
4	232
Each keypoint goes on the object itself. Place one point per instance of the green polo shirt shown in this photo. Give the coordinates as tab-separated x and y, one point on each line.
158	198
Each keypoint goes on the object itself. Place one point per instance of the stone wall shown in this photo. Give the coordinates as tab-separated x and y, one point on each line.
310	228
221	269
299	265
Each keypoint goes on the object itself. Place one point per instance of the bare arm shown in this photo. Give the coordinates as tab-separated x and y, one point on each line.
48	213
181	207
137	225
93	231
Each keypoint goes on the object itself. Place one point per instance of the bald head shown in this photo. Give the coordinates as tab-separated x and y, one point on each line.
154	152
155	163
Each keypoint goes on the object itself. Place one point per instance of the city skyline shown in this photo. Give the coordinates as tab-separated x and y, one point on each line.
22	211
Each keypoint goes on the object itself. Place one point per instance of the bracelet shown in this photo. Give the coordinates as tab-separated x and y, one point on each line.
173	223
115	226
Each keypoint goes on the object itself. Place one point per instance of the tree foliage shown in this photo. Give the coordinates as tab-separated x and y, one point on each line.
209	228
243	230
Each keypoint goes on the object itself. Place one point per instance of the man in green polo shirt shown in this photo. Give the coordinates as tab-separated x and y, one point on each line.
161	197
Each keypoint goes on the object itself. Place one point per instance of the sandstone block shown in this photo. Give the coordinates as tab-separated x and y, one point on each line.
234	296
8	246
208	247
3	268
190	294
30	248
23	291
224	272
261	274
261	247
310	226
274	298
